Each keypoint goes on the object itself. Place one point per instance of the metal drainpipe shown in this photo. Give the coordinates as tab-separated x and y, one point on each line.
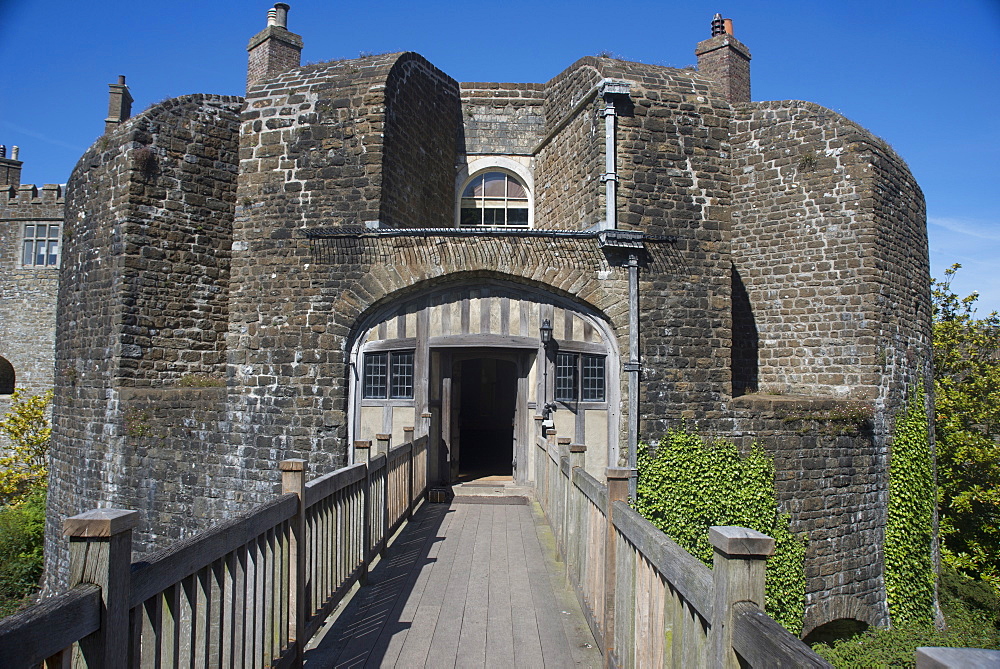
632	368
610	177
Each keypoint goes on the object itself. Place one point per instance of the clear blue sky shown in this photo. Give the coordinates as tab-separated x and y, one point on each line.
923	75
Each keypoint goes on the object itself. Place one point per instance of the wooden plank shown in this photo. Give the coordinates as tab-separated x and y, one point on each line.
499	623
432	523
444	643
325	486
164	568
594	490
527	647
551	634
42	630
759	640
472	640
684	571
426	617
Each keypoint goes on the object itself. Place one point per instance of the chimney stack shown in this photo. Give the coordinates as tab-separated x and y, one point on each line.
273	50
725	60
119	105
10	168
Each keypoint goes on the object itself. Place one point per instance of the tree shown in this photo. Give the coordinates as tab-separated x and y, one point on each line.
24	467
967	429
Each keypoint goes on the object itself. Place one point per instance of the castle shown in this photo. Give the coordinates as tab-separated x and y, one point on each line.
363	250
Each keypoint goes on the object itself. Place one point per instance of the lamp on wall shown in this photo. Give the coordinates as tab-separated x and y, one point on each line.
545	332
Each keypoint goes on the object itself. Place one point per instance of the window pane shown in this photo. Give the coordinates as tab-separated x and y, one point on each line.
515	190
375	375
53	253
26	257
402	374
495	184
566	376
29	231
593	378
471	217
40	253
54	232
475	188
517	217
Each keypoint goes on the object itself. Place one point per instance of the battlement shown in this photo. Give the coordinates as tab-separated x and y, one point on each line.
30	194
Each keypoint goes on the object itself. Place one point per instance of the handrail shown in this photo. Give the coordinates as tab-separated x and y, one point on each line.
647	600
249	591
31	636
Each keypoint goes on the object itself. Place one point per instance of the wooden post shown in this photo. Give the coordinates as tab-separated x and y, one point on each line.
738	574
362	451
577	456
100	552
383	441
408	439
293	480
618	478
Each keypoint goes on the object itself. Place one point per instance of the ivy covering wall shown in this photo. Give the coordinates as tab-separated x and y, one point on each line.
909	567
687	484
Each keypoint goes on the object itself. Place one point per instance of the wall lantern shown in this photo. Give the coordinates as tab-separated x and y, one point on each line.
545	332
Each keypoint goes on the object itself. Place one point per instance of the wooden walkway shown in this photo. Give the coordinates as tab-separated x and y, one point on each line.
470	584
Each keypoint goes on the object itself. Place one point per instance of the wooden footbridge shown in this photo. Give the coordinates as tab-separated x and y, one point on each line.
358	568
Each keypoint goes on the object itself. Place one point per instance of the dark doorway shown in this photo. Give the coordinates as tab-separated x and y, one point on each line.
486	418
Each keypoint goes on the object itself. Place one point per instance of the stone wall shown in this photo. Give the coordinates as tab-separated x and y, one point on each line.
829	237
502	118
142	299
423	121
830	476
27	294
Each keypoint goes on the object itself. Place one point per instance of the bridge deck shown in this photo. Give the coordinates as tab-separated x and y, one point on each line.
471	584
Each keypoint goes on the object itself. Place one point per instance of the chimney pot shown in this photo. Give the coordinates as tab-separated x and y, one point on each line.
272	17
121	79
718	25
281	11
14	151
728	26
3	151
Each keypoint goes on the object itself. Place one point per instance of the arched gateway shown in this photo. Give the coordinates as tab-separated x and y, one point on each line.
471	358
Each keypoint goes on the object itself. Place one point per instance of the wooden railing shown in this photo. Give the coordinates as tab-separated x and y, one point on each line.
248	592
648	601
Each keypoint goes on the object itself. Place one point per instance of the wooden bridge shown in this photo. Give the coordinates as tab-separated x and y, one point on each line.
564	573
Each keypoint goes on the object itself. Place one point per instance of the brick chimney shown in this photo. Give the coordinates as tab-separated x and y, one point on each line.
10	168
119	105
273	50
726	61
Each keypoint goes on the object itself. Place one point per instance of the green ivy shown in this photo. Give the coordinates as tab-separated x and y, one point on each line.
909	570
686	485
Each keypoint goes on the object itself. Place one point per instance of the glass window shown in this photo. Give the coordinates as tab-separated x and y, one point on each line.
41	246
566	376
580	376
388	375
592	379
494	199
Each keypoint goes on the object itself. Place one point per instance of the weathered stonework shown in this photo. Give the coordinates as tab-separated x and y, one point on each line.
272	243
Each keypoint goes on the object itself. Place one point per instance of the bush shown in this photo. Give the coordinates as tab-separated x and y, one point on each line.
22	528
687	485
26	424
971	610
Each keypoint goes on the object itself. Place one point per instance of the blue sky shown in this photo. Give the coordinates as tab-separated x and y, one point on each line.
923	75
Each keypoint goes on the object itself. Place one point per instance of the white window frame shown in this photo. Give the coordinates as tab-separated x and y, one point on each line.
47	238
495	164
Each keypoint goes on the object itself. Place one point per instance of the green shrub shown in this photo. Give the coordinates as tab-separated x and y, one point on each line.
687	485
22	528
909	571
972	613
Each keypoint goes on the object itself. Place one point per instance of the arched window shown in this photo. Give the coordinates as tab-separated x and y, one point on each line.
494	200
6	377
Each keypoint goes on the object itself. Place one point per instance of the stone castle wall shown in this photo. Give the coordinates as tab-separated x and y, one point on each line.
502	118
142	303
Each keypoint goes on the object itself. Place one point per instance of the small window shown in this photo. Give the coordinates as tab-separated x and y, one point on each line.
580	376
495	200
566	376
41	245
388	375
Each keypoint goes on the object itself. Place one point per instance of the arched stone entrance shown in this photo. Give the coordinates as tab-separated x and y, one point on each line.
465	365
